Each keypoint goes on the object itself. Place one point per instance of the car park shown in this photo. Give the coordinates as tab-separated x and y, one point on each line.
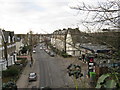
32	77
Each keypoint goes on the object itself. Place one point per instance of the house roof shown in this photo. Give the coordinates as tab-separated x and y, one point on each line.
76	34
94	47
80	37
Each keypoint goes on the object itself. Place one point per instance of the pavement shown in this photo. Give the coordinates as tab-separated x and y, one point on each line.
22	82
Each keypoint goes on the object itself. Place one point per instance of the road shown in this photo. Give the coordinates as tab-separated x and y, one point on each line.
50	71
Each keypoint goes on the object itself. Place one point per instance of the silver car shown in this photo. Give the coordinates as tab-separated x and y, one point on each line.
34	51
32	77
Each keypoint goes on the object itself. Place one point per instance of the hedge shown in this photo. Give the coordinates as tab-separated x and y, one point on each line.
11	71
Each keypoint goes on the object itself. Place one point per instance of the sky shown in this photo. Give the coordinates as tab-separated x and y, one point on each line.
40	16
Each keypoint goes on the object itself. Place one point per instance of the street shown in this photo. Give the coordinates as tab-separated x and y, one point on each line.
51	72
48	44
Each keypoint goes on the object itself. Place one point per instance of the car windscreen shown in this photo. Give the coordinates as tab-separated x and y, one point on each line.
32	74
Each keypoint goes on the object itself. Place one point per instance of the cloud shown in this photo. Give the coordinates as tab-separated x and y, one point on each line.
22	15
38	15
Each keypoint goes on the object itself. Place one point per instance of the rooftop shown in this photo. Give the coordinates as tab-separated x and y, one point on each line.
94	47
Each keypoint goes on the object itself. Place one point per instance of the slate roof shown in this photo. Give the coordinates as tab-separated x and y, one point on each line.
94	47
76	34
80	37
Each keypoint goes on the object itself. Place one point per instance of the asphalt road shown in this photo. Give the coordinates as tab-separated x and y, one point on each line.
50	71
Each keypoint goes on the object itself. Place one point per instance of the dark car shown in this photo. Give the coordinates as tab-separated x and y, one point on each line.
9	86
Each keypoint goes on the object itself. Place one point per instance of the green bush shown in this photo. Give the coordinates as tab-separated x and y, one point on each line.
11	71
65	55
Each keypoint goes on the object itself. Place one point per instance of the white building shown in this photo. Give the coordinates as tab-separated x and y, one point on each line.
3	63
8	37
19	44
67	40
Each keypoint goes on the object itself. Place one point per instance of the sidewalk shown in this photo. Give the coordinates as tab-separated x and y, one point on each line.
22	82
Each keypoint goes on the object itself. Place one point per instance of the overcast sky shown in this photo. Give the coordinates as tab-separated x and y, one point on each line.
40	16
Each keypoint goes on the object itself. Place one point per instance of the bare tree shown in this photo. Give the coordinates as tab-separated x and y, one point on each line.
103	14
31	44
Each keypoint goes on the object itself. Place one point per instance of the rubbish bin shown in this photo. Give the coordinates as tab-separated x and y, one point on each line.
92	78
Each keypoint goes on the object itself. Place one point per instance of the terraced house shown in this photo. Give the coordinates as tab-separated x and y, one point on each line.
68	40
7	49
73	41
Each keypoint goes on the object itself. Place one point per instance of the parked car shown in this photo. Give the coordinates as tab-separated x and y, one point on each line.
32	77
47	51
34	51
41	48
52	54
79	58
9	86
